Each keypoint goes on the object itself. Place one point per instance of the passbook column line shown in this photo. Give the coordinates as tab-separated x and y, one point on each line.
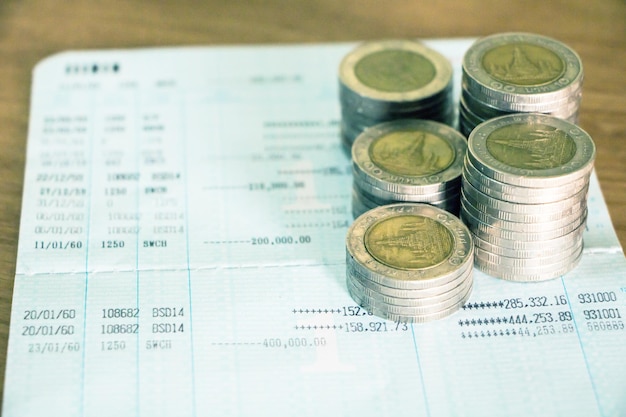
183	129
90	151
582	349
419	366
137	143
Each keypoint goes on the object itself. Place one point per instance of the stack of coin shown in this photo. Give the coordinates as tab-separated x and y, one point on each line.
519	73
409	262
524	195
394	79
407	161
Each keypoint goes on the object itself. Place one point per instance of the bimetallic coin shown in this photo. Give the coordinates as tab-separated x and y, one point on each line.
482	229
531	150
529	274
532	227
536	262
409	245
389	241
409	156
464	274
522	67
434	284
465	127
390	80
426	302
395	71
355	105
381	196
489	107
363	201
471	114
480	204
399	314
546	248
492	191
523	195
383	302
513	73
483	202
529	245
358	206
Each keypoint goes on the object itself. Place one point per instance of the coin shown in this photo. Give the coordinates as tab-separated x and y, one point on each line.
394	71
362	201
531	150
487	231
524	193
381	196
409	156
412	246
522	67
534	262
354	105
529	274
545	248
356	275
519	72
529	227
408	160
404	316
512	240
409	262
393	79
485	203
384	302
451	296
512	193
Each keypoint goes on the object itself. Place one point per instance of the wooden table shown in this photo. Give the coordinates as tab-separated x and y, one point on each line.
32	30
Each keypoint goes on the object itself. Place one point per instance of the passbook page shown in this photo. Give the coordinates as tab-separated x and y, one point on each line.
182	253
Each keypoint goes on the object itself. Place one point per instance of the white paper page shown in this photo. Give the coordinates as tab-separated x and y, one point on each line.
182	253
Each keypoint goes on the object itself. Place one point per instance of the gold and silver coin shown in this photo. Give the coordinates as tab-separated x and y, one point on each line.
393	79
409	262
406	160
519	73
524	195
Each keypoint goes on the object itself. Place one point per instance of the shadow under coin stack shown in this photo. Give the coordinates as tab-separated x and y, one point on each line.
389	80
519	73
409	262
524	195
407	161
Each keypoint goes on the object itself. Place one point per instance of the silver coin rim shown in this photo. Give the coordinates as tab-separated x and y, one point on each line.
542	194
531	227
521	217
480	228
355	274
529	253
527	275
410	310
379	195
424	318
477	197
536	262
425	301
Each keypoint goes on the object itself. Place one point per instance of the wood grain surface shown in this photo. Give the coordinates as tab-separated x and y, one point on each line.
33	29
